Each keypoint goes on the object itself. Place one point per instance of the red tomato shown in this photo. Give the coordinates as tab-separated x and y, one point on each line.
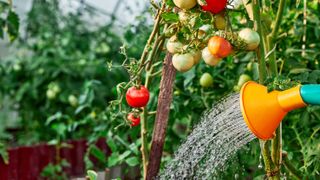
219	47
137	97
215	6
135	120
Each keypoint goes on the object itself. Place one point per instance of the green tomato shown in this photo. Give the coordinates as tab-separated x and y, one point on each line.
250	37
51	94
185	4
220	22
93	114
236	88
183	62
243	79
196	56
208	58
206	80
249	66
56	88
177	92
73	100
174	46
17	67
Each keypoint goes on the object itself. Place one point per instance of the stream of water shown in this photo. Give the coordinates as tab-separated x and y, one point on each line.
219	135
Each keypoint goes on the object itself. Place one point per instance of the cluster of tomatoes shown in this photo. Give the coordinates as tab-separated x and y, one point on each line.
217	46
137	97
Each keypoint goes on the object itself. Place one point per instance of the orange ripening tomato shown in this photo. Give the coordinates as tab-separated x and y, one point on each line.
219	47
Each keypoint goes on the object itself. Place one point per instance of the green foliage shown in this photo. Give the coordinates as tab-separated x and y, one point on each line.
55	170
64	79
9	21
92	175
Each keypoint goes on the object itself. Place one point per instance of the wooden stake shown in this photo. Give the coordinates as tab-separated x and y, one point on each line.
162	116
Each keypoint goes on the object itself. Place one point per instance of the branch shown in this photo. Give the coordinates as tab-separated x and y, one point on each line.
275	30
273	35
153	34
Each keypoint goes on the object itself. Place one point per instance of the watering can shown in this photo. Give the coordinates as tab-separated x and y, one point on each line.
263	111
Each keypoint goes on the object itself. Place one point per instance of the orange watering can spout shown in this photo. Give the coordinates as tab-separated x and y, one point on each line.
263	111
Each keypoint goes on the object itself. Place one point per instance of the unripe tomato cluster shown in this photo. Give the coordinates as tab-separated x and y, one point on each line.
137	97
53	90
212	41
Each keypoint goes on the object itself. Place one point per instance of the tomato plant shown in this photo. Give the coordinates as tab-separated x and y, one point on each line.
68	80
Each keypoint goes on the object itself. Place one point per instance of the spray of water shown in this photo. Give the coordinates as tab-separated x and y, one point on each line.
221	132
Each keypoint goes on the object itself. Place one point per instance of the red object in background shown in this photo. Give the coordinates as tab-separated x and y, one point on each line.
67	153
215	6
28	160
10	171
27	163
80	149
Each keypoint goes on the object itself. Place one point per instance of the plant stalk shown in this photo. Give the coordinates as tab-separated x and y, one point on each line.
276	145
272	37
144	114
287	164
261	51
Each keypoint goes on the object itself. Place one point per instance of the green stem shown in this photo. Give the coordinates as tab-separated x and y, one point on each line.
277	141
152	35
273	36
269	166
276	147
287	164
154	54
272	160
261	51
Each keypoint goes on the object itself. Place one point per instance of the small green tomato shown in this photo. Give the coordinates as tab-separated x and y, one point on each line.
206	80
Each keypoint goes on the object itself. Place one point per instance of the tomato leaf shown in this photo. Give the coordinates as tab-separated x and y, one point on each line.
132	161
13	25
4	154
113	159
97	153
170	17
92	175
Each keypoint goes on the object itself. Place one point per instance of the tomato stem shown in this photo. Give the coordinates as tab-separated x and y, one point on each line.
272	160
